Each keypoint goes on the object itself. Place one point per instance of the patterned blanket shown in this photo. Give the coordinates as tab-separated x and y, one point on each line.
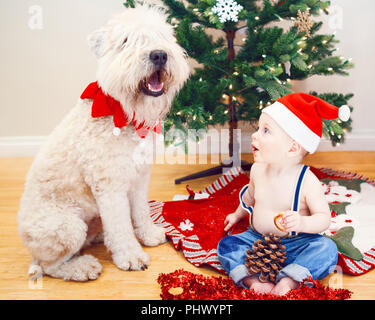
196	225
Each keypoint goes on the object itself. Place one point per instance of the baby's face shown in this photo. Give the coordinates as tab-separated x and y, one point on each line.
270	143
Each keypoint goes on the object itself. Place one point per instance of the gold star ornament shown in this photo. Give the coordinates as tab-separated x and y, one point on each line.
304	22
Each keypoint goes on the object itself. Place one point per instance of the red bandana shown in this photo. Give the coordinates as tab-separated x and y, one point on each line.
104	105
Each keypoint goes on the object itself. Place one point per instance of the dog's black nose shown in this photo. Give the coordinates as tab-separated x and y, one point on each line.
158	57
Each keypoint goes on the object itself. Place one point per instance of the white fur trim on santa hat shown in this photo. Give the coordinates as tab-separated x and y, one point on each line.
344	113
293	126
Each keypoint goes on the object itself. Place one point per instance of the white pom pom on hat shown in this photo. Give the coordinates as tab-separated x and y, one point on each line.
301	114
344	113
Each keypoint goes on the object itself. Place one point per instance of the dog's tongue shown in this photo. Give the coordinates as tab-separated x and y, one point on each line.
154	82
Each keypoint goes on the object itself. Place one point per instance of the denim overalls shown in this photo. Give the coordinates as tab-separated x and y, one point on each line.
307	254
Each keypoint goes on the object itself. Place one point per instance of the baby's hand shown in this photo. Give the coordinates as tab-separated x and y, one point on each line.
291	221
230	221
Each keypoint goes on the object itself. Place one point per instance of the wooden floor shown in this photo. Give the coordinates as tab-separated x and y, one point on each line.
114	283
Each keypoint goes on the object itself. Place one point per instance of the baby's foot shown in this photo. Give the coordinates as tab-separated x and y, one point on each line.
259	287
284	286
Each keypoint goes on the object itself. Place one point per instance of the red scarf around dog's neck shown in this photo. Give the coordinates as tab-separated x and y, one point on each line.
105	105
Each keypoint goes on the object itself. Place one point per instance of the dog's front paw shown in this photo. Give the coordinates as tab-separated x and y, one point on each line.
131	260
151	235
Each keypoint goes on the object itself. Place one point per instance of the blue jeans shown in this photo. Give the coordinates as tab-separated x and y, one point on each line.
306	255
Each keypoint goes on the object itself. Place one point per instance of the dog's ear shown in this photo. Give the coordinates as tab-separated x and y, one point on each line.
97	41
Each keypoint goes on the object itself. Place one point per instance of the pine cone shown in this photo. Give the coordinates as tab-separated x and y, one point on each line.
266	257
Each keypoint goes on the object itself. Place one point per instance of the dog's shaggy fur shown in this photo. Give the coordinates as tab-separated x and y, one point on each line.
84	180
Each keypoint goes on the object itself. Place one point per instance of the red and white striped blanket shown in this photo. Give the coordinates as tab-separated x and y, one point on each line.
196	226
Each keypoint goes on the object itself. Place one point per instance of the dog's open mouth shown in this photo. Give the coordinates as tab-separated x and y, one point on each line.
153	85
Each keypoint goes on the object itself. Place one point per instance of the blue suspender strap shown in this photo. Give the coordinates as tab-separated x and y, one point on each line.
298	191
243	204
298	188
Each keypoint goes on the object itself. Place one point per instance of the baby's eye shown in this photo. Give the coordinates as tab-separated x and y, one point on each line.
266	130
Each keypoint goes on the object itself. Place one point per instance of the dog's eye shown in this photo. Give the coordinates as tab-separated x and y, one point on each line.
123	43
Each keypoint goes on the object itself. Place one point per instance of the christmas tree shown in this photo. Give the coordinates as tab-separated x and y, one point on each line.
233	83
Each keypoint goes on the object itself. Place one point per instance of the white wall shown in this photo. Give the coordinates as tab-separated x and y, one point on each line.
45	65
44	70
357	41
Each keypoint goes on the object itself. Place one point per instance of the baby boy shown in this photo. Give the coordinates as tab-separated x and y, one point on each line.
289	129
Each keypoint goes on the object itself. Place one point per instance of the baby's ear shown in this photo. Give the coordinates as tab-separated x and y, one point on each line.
295	149
97	41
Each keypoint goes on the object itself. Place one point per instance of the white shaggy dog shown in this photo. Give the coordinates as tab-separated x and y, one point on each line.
84	179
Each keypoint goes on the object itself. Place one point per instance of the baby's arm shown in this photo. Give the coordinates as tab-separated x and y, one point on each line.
320	214
240	212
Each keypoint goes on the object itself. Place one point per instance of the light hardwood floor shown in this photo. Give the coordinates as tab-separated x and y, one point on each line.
114	283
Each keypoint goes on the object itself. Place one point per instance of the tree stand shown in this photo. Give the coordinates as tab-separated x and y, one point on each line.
226	165
234	146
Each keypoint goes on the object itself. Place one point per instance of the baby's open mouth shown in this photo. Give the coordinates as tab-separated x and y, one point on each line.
153	85
254	148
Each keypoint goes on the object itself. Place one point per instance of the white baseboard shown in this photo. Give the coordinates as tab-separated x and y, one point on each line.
28	146
354	141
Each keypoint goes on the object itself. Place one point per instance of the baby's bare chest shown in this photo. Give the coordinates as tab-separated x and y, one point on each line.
274	195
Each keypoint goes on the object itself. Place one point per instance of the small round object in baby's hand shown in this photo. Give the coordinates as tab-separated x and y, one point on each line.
277	221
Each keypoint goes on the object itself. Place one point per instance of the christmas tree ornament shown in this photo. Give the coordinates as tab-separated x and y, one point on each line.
304	22
260	3
266	258
227	10
287	66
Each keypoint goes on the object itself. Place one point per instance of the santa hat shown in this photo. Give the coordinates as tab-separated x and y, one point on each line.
300	115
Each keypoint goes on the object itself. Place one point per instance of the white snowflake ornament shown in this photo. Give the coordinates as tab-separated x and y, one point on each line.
227	10
186	225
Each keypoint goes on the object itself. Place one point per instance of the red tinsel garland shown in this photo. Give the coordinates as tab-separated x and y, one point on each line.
200	287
